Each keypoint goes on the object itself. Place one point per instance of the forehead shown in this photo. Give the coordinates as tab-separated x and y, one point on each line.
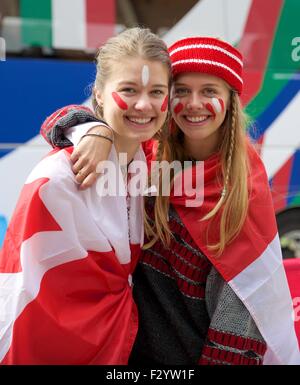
200	79
130	69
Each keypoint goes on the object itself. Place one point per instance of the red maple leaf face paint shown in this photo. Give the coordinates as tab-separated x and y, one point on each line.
177	106
164	105
215	107
210	108
120	102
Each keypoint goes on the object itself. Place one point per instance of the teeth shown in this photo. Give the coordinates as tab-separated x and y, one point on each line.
140	120
196	119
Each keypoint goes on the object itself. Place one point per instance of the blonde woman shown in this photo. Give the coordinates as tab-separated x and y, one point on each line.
68	256
210	284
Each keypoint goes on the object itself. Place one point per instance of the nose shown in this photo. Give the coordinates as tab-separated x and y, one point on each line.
195	102
143	103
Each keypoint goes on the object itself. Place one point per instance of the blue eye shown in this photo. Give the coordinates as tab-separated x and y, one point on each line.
181	91
157	92
209	91
128	90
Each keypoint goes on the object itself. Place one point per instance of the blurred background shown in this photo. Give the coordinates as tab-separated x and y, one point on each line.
47	48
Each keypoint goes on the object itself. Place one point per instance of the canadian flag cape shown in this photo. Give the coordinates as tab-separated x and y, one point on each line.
65	270
252	262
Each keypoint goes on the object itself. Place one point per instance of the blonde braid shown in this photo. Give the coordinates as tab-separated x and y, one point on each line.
231	147
228	162
161	206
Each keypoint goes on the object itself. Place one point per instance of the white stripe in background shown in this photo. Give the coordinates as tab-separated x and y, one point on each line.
282	138
237	19
69	24
20	162
212	18
33	151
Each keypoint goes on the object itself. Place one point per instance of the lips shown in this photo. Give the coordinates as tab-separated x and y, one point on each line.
139	120
196	119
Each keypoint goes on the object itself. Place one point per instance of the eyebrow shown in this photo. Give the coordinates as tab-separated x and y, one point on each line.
128	83
203	85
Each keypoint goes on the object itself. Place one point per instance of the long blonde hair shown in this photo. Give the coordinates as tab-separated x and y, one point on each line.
131	43
233	202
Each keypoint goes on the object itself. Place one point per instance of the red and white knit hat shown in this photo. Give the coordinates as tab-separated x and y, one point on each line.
208	55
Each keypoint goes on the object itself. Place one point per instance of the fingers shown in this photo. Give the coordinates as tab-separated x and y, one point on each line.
74	156
80	176
78	165
86	159
84	170
85	165
88	181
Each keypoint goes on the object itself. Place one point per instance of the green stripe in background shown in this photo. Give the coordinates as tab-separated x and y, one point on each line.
281	65
296	201
36	22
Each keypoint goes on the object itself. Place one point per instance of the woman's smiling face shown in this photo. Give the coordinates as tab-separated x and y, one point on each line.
199	103
134	98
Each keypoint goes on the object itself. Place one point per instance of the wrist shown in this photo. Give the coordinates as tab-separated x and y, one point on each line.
103	130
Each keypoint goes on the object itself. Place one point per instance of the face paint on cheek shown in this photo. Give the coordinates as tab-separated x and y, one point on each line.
120	102
221	101
210	108
145	75
164	105
177	106
215	107
218	105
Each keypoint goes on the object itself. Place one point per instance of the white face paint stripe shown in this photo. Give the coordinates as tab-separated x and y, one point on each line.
174	103
145	75
217	105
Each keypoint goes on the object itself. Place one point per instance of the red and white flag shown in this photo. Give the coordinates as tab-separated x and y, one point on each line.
65	271
252	263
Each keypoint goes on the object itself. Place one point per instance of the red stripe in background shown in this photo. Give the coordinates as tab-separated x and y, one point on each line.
100	19
280	185
256	44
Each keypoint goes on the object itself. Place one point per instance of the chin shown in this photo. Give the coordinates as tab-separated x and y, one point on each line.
143	136
196	133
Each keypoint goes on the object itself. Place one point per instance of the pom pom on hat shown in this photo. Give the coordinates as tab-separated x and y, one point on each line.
208	55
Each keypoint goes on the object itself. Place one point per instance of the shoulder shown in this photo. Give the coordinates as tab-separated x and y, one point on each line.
54	167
